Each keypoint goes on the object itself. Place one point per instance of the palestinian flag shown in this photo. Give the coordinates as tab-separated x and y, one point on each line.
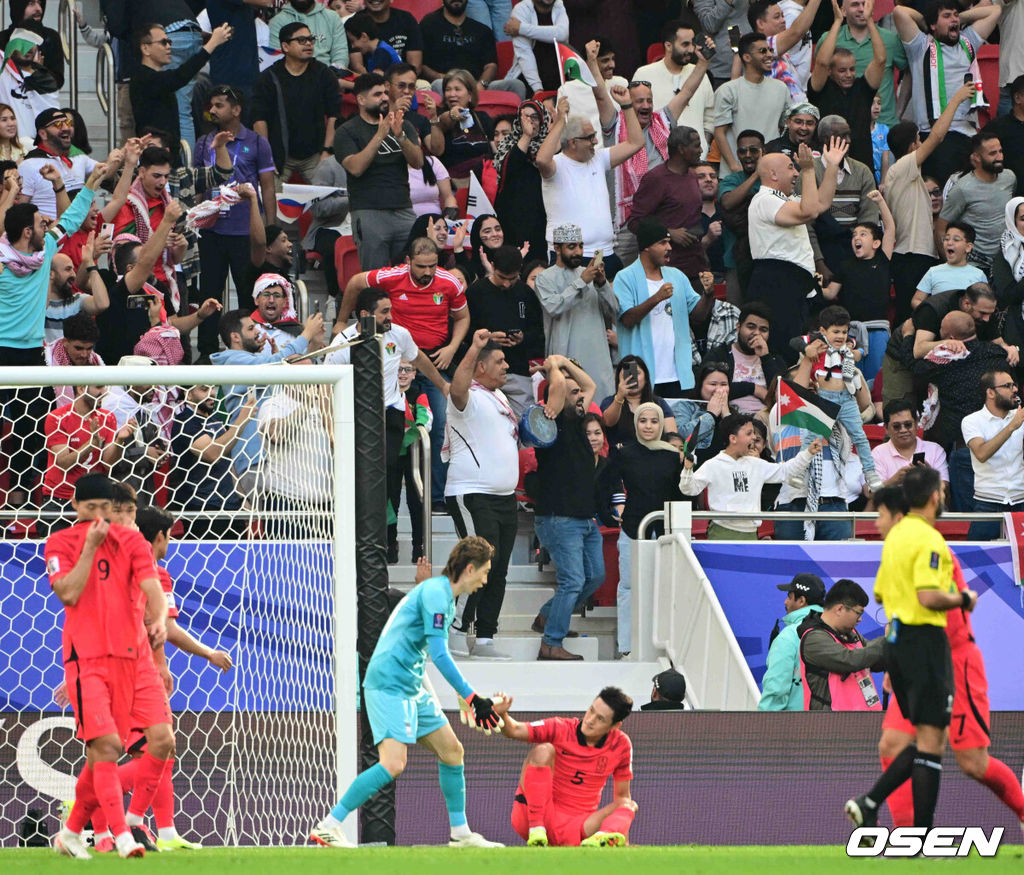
801	408
22	41
573	66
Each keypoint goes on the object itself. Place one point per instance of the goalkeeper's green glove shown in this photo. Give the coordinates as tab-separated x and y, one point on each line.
478	712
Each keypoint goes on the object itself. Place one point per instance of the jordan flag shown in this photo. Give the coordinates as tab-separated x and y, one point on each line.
573	66
801	408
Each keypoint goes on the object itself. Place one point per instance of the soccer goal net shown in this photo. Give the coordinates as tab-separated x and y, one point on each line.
255	464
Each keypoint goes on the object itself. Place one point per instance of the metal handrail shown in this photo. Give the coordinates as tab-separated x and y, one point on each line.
66	22
853	516
106	90
421	477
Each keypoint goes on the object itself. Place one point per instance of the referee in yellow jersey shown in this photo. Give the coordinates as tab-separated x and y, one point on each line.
915	583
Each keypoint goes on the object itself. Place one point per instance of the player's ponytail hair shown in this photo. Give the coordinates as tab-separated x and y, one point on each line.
473	551
618	701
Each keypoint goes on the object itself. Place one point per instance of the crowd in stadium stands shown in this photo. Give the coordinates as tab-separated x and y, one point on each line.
643	215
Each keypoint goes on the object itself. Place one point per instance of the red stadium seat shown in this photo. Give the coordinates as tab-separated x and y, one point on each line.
418	8
346	260
420	108
988	62
348	105
305	220
496	103
655	52
505	57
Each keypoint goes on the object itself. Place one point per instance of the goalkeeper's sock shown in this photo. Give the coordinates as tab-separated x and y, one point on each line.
901	800
163	800
110	795
85	802
366	784
537	790
1000	780
899	771
453	786
148	773
619	820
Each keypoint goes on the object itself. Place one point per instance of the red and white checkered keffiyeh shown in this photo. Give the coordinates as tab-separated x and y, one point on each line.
162	343
207	213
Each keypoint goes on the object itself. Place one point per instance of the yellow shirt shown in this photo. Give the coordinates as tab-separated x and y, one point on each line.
914	557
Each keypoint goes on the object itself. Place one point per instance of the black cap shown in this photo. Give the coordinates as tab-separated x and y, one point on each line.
650	231
48	117
810	586
670	685
89	487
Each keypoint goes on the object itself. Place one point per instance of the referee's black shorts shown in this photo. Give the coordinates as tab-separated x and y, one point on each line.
921	672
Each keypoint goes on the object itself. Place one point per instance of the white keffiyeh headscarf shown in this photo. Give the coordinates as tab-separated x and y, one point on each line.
1012	241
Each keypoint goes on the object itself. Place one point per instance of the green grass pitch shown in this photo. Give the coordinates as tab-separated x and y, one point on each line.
791	859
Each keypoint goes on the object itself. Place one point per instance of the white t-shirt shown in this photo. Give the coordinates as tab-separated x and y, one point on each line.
663	334
39	191
297	464
397	345
768	240
578	194
800	54
481	443
1001	478
699	112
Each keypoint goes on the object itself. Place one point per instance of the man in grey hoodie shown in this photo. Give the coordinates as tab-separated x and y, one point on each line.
782	685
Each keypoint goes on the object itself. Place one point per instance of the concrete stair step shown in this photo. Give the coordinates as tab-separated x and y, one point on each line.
523	647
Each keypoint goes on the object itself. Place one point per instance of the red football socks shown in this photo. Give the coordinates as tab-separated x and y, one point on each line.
901	800
148	772
108	789
163	801
126	772
537	790
619	820
1000	779
85	801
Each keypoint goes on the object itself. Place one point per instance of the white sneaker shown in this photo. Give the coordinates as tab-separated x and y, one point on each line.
70	845
458	645
473	840
128	847
873	480
330	837
487	650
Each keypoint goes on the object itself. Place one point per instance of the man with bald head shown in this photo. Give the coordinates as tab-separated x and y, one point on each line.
957	376
63	299
783	271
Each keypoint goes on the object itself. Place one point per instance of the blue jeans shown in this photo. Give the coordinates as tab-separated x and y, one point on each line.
849	417
824	530
184	44
990	531
575	546
1005	101
871	364
961	481
493	14
438	406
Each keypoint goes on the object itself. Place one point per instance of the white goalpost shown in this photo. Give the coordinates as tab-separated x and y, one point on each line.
258	471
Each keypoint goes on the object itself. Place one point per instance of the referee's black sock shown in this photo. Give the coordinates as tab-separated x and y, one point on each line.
925	782
900	770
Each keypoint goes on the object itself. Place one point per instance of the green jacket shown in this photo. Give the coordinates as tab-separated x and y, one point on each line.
782	686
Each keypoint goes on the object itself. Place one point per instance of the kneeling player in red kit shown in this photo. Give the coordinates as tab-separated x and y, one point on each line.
558	800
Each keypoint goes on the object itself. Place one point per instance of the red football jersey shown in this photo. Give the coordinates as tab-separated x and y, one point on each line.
958	621
423	310
581	770
168	587
107	619
64	427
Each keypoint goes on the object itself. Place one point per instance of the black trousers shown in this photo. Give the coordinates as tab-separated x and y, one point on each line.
784	286
907	270
414	504
394	431
25	408
324	244
219	253
494	518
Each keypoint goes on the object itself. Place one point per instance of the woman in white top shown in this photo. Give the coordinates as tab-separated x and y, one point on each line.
12	147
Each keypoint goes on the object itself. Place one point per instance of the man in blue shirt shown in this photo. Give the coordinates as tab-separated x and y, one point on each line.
402	712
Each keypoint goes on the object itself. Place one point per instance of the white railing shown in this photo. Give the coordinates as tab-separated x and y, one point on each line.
106	91
67	27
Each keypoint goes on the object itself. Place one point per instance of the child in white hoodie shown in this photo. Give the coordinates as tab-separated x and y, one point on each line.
734	478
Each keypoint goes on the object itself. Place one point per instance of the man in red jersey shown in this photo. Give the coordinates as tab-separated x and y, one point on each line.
106	578
558	800
968	730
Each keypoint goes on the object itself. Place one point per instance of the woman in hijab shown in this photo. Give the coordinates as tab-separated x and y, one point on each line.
520	203
648	468
434	227
485	236
1008	272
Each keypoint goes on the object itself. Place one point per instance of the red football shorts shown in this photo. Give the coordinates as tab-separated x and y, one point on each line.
969	726
101	692
564	828
150	706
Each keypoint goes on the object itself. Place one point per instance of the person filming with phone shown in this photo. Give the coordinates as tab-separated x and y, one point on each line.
579	305
905	449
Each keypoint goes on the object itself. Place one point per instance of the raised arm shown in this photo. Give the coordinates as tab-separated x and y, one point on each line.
807	209
556	386
833	156
875	70
983	19
942	123
681	99
149	254
622	152
909	22
888	223
823	57
545	159
463	379
606	107
795	32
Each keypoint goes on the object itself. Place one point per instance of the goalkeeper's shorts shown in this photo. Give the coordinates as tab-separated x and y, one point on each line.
403	718
564	828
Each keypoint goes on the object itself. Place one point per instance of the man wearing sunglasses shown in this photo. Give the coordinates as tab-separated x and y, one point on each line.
905	449
154	83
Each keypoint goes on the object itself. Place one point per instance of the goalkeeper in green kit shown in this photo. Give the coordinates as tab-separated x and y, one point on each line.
402	712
